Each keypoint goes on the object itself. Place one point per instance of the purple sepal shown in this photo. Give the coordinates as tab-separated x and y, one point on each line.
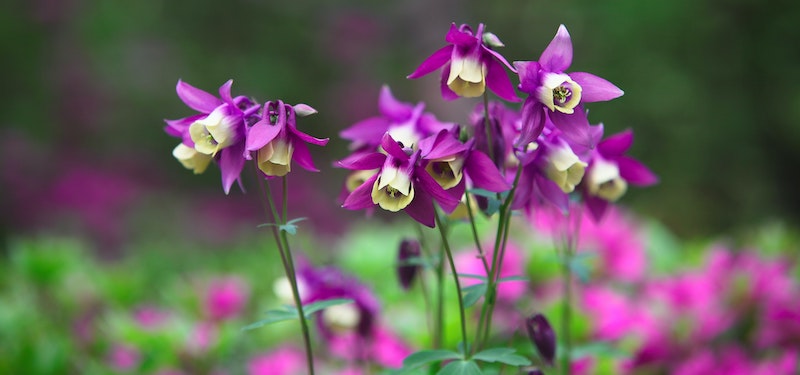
557	57
363	162
550	192
484	174
425	182
371	128
574	127
231	163
390	107
392	147
635	173
533	119
597	206
441	145
302	156
225	92
433	62
447	94
361	197
528	72
195	98
421	209
260	134
594	88
497	80
616	144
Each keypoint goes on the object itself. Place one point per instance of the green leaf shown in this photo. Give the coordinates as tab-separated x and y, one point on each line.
289	227
513	278
319	305
472	276
273	316
502	355
581	268
423	357
462	367
473	293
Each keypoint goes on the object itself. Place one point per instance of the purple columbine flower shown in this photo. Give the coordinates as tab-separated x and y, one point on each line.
276	140
217	132
503	129
556	94
401	183
448	160
407	262
470	65
610	171
406	123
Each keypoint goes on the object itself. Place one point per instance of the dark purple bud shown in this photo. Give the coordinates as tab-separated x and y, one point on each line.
408	262
535	371
543	336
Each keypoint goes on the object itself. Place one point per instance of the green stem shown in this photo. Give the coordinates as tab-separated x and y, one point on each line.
457	282
487	127
288	263
571	244
481	254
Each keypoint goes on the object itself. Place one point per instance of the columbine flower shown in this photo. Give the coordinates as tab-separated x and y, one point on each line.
469	65
558	95
217	132
406	123
503	128
562	166
401	184
407	268
276	140
610	171
225	298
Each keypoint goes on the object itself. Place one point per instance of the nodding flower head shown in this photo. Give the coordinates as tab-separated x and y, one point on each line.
217	131
470	65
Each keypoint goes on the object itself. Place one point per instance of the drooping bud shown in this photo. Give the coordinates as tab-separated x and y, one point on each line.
535	371
407	265
543	336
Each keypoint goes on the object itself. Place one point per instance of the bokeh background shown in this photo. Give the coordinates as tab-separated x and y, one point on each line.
711	91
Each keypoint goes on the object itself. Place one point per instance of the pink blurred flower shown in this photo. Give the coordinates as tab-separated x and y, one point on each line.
150	317
202	337
281	361
383	347
226	297
468	262
122	357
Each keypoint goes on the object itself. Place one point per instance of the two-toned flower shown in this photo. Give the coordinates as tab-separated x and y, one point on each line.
470	65
557	95
276	141
217	132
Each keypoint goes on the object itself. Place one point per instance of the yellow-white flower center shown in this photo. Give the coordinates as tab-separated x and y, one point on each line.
447	171
213	133
467	77
392	190
283	289
559	93
565	168
341	318
604	180
275	158
191	159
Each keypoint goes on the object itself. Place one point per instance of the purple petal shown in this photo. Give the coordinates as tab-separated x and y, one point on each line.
307	138
616	144
433	62
528	72
392	148
303	157
177	128
260	134
597	207
575	127
370	130
231	163
393	108
369	161
195	98
225	92
421	209
595	89
458	191
425	182
447	94
441	145
361	197
532	121
499	57
557	57
484	173
499	83
456	36
635	172
550	192
524	190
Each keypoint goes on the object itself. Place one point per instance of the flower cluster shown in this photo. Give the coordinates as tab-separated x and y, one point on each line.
231	130
405	159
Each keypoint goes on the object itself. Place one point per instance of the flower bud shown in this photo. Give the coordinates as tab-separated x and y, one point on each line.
407	265
535	371
543	336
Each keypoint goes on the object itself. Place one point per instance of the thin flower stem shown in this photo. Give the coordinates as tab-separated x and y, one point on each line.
288	262
487	310
487	127
481	254
571	244
457	282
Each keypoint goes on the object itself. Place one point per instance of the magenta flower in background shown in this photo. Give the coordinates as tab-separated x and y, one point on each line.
470	65
276	141
151	317
557	95
217	132
122	357
225	298
468	262
402	183
281	361
406	123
